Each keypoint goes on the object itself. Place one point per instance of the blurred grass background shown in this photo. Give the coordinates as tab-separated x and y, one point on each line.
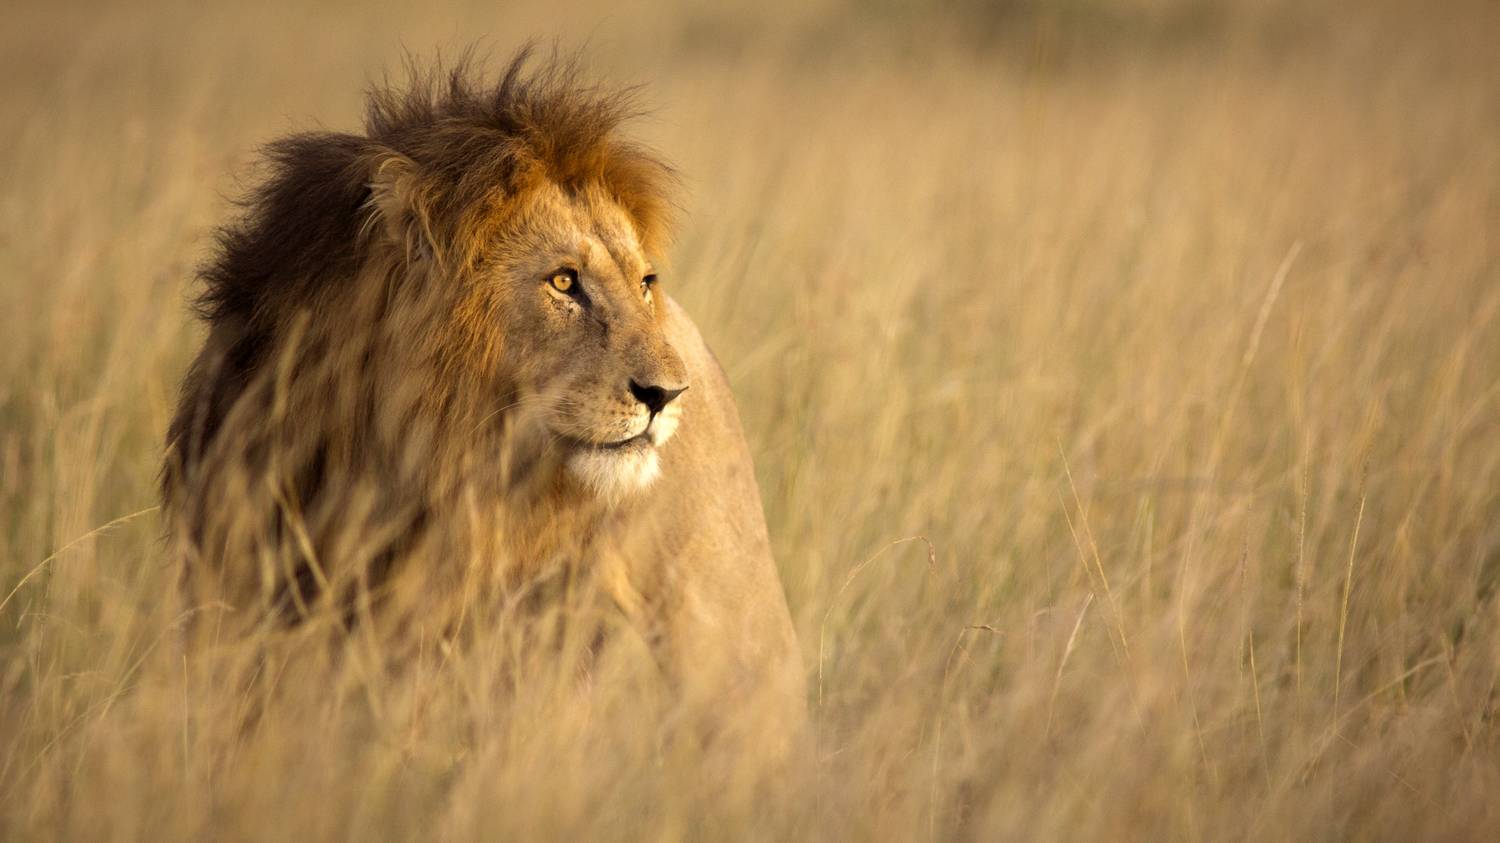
1170	324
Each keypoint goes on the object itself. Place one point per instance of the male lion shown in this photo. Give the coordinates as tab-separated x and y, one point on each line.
440	366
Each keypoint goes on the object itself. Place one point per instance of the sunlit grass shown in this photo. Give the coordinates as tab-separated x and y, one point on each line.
1174	340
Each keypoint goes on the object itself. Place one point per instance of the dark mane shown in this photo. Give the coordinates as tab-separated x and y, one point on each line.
300	225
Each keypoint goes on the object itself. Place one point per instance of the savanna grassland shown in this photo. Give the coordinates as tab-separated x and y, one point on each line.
1123	379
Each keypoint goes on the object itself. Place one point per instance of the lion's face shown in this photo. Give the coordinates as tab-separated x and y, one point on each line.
582	330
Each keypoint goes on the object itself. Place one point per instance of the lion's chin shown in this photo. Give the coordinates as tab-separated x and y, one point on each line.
613	474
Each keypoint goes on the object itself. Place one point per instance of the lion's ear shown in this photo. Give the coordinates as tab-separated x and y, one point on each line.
398	204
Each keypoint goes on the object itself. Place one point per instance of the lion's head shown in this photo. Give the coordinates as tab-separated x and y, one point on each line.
547	229
481	264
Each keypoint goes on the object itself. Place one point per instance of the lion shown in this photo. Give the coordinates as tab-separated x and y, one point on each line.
442	353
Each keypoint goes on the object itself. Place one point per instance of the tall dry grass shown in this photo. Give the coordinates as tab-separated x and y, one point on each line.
1171	326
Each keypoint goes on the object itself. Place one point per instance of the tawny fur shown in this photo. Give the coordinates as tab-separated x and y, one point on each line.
395	409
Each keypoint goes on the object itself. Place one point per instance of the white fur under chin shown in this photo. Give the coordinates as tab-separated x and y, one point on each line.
613	475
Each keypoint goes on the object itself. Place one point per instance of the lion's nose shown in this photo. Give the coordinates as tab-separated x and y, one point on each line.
654	397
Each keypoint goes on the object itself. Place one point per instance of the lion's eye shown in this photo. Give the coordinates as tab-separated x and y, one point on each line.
564	280
648	282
